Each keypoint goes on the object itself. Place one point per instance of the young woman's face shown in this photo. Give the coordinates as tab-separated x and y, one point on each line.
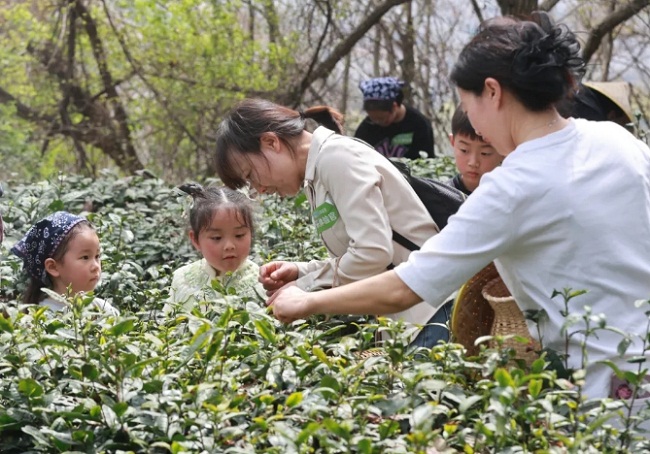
226	242
383	118
274	171
475	109
80	267
474	158
485	114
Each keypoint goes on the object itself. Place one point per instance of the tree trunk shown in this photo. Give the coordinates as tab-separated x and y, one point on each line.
517	7
104	121
376	50
272	20
408	53
346	84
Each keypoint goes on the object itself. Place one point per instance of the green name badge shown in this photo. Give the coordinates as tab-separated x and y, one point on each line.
325	216
405	138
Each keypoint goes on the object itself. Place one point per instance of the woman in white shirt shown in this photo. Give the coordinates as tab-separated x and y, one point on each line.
568	208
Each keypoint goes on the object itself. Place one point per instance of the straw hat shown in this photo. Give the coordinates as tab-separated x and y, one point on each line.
485	307
617	92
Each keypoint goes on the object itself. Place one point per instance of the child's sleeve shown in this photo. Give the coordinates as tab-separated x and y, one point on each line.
246	281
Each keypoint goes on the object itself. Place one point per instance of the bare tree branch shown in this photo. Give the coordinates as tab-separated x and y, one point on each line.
272	20
137	69
98	128
66	82
323	68
610	22
477	10
25	112
307	80
407	41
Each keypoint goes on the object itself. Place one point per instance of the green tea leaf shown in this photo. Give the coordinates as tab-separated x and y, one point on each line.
503	377
535	387
6	325
468	402
320	354
89	371
30	387
266	330
294	399
122	327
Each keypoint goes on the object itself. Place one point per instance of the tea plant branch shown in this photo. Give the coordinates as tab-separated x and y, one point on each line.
637	380
477	11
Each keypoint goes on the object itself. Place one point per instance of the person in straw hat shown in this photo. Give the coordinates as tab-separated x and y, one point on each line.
600	101
568	208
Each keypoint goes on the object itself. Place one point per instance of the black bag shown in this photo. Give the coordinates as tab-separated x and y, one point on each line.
440	200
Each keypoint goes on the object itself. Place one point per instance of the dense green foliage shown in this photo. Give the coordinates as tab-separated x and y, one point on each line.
233	379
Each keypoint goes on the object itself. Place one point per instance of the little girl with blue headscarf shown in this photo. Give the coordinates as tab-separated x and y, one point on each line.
61	252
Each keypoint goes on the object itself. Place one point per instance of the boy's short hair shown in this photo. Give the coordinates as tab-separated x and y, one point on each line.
460	125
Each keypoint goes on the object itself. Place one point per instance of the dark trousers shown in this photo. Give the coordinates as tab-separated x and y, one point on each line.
433	331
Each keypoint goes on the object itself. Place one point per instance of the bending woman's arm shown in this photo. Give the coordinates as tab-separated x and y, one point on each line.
383	294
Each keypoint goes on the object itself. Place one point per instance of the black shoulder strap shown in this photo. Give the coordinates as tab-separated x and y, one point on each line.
404	170
408	244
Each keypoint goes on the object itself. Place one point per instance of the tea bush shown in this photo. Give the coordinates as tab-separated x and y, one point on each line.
231	378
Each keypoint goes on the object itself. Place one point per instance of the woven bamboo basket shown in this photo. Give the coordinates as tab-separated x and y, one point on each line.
508	319
485	307
472	315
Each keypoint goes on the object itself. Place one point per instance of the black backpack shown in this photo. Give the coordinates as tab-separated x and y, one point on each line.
440	200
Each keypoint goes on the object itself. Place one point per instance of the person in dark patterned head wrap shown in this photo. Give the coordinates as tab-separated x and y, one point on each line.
393	129
60	252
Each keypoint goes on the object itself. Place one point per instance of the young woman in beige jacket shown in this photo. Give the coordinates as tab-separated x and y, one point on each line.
357	198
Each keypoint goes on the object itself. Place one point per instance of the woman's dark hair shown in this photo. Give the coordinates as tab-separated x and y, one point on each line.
535	60
207	201
241	130
460	124
33	293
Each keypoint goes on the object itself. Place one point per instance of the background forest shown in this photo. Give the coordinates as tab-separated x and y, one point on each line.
142	84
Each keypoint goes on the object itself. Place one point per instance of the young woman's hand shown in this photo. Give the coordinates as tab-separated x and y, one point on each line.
275	275
290	304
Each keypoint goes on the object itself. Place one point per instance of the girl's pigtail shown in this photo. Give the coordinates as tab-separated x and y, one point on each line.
192	189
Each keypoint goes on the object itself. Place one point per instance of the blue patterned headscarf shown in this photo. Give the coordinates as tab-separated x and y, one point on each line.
381	89
42	240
